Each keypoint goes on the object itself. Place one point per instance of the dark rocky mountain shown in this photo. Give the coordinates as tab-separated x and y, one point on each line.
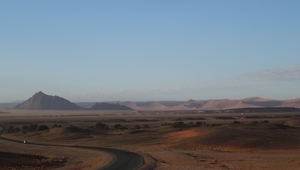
109	106
41	101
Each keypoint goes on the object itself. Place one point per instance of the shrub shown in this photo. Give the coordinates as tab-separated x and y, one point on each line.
16	129
43	127
56	125
118	126
25	128
199	123
215	124
33	127
146	126
9	129
190	124
236	122
12	129
100	125
179	124
165	124
123	127
137	127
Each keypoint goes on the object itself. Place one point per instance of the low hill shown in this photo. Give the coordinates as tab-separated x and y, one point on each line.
41	101
109	106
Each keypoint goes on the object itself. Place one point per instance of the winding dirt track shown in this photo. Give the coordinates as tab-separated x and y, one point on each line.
124	160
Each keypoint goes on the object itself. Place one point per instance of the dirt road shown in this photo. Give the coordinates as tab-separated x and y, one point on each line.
124	160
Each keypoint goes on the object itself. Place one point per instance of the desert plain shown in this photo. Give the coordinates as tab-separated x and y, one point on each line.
166	140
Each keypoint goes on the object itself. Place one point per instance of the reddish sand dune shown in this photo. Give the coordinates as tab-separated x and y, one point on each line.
291	103
252	102
256	99
220	104
213	104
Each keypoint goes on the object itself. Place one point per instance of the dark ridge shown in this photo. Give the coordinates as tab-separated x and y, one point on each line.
194	105
171	103
263	103
109	106
262	109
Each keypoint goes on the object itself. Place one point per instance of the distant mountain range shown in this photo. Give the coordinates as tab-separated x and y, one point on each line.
253	102
41	101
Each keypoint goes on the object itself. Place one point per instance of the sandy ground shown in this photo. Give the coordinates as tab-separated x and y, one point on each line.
190	160
254	141
55	157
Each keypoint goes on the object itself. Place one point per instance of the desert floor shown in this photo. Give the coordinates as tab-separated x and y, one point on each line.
167	139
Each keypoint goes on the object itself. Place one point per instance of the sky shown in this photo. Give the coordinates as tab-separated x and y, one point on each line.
149	50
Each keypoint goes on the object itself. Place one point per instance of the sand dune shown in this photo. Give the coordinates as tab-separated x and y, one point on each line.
253	102
291	103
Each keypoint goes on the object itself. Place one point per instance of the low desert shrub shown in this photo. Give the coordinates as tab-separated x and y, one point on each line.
236	122
56	125
117	126
43	127
33	127
12	129
179	124
146	126
102	126
137	127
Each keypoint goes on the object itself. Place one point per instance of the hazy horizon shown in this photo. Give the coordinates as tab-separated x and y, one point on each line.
150	50
249	97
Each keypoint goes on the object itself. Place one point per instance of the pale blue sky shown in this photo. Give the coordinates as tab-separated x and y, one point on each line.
150	50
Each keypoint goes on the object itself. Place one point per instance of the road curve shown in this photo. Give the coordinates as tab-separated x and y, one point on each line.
124	160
